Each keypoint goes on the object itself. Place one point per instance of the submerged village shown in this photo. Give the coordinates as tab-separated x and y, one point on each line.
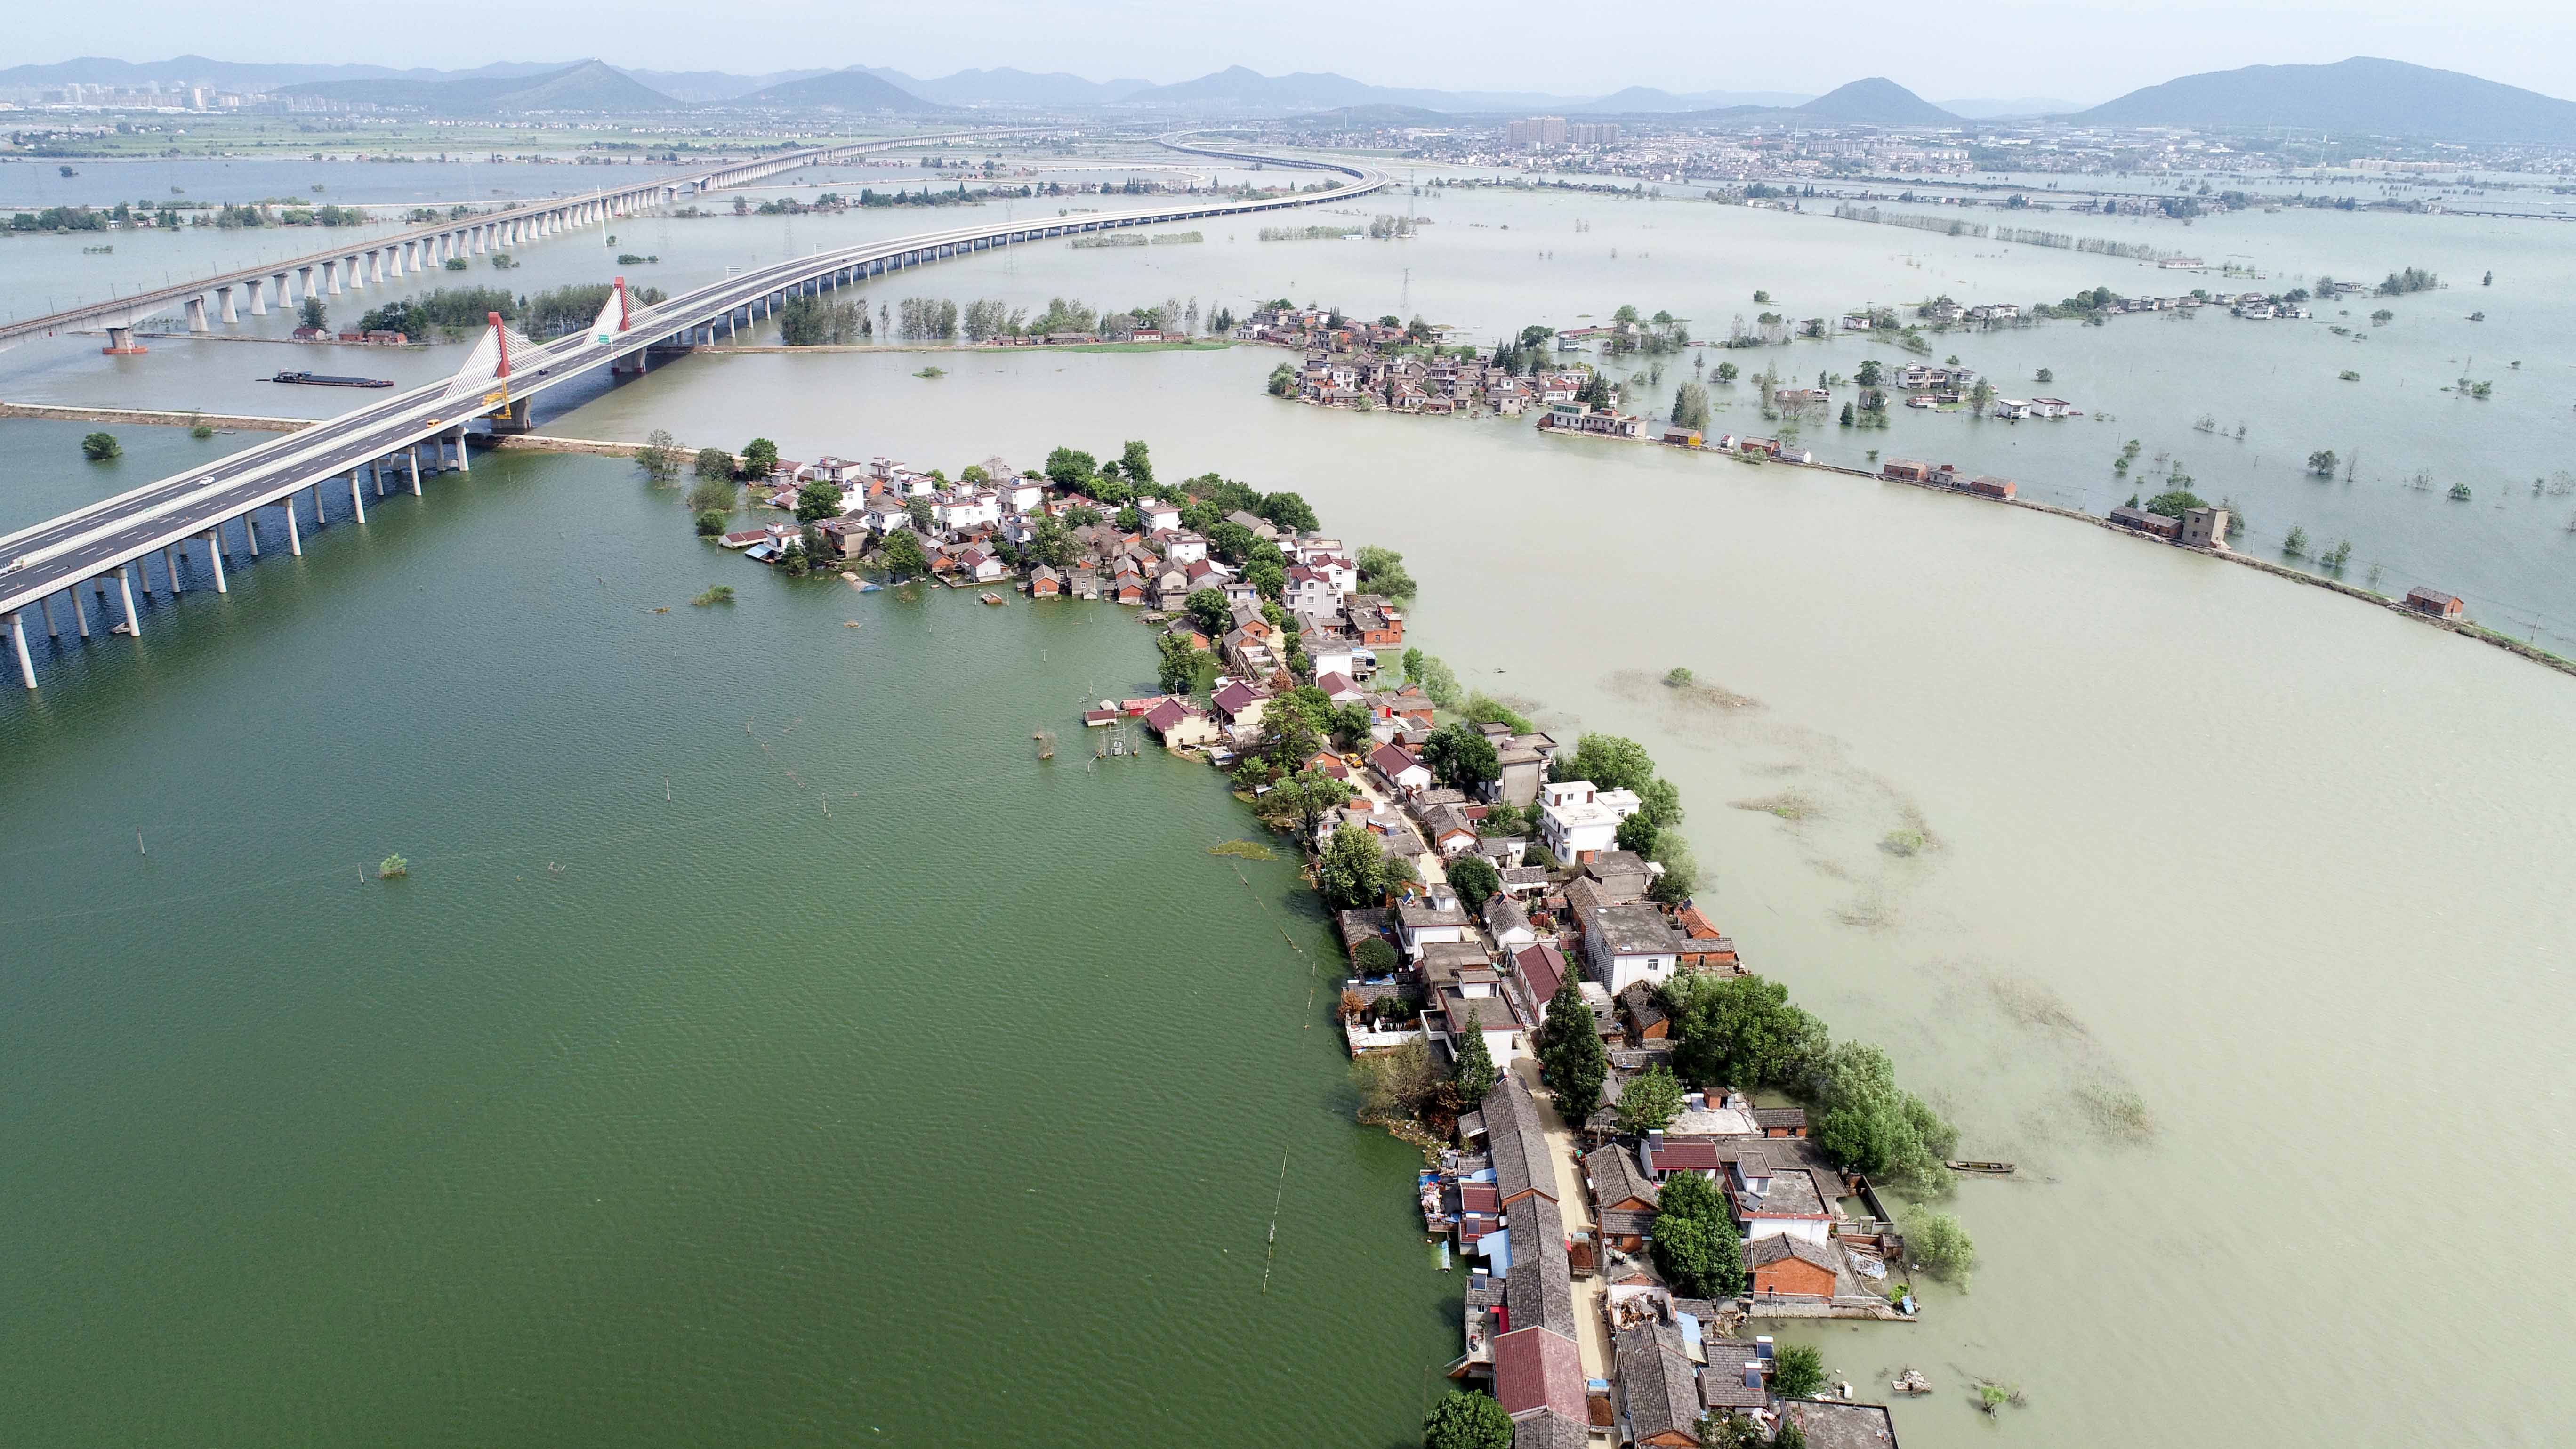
1639	1156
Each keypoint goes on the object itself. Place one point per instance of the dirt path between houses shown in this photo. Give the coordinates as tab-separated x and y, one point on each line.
1574	1205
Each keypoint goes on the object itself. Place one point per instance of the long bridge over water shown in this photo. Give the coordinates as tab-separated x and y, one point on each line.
103	551
383	259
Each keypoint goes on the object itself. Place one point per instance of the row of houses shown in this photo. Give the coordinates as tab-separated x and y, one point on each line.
1676	1363
1946	475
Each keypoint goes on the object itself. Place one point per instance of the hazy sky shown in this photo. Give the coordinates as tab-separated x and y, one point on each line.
2082	50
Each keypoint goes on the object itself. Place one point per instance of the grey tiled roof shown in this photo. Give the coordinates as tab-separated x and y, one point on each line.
1541	1282
1521	1161
1656	1379
1548	1429
1615	1177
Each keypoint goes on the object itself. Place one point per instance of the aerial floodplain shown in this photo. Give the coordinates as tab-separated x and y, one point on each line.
1566	748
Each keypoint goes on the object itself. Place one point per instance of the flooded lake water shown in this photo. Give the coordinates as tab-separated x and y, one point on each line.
625	1120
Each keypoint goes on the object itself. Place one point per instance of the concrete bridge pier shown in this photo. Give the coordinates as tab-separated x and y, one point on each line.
294	535
303	287
80	620
479	234
169	567
250	530
125	591
215	556
259	295
224	299
197	314
357	497
330	278
120	341
357	271
319	519
18	640
411	457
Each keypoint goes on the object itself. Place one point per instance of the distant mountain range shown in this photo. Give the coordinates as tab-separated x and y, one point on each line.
2361	96
1008	87
2358	96
588	85
700	87
841	90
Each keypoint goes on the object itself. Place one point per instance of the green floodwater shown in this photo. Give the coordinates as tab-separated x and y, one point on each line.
2273	867
883	1084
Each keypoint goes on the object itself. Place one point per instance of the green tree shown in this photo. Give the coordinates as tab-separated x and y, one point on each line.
1436	679
1137	463
1179	664
2175	502
1302	801
1873	1126
1232	541
1283	380
1680	876
1382	572
818	500
1474	1072
1610	762
2322	462
1690	406
659	457
1637	833
715	463
1799	1372
1289	510
1464	1420
1050	542
1868	373
1351	871
1650	1101
713	493
1375	957
1936	1241
1461	756
759	456
1475	880
1209	608
1741	1031
904	557
1698	1253
711	522
310	313
1569	1051
99	447
1728	372
1267	578
1071	468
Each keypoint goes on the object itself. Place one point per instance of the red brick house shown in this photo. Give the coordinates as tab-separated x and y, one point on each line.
1782	1264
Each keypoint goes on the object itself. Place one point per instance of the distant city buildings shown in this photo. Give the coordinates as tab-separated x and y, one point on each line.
1548	133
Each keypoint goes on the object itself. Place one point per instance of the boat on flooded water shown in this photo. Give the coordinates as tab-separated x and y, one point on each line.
324	379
